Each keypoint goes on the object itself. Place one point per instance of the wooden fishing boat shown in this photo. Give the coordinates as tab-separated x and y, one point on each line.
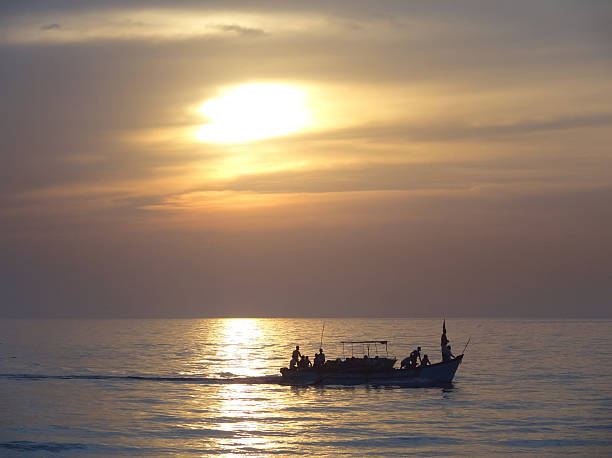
368	370
434	374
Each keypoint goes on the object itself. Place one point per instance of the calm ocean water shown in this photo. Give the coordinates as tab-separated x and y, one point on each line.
193	387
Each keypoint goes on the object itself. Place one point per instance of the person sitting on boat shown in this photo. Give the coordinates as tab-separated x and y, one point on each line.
405	364
425	361
296	353
319	359
413	357
307	362
293	363
447	355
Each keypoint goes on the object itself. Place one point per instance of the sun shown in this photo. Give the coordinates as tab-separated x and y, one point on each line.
252	112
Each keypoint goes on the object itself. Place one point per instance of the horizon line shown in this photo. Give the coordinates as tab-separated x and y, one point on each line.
390	317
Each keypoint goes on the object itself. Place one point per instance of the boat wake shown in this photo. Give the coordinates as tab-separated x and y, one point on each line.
225	380
266	379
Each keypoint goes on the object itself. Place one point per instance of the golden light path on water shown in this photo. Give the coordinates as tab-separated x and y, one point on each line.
241	408
239	339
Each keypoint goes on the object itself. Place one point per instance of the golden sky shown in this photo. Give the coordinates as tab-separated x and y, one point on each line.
306	158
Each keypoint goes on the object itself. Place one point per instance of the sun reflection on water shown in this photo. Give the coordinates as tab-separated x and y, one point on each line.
240	418
244	413
240	346
248	412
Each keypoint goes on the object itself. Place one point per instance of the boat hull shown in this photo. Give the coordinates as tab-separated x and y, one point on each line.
436	374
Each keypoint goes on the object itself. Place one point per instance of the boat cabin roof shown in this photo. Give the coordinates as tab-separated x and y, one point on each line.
364	341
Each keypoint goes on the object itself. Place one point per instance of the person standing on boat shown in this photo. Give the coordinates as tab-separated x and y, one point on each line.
319	359
447	355
443	340
414	355
295	358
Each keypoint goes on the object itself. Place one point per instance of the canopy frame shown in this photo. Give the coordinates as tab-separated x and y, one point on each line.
368	343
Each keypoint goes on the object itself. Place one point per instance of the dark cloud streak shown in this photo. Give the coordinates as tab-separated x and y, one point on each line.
51	27
243	31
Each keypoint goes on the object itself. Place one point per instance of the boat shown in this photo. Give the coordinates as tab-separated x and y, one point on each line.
374	371
435	374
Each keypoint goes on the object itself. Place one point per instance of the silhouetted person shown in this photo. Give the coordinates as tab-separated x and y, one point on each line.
304	362
293	363
296	353
405	364
443	339
319	359
414	355
444	342
447	355
425	361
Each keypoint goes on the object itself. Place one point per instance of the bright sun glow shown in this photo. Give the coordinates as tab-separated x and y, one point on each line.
253	112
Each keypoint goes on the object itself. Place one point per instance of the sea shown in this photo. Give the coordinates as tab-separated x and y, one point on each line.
212	387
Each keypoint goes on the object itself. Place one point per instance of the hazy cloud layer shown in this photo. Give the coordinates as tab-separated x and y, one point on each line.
460	162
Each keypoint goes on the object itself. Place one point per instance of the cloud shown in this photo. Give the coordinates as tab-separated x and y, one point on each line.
51	27
240	30
146	25
377	177
451	130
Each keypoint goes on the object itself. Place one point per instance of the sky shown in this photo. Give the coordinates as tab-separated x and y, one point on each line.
347	158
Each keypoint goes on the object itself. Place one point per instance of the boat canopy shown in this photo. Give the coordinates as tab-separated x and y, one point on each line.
384	342
367	343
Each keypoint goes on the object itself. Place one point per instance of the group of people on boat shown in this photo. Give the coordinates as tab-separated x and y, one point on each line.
411	361
414	360
301	361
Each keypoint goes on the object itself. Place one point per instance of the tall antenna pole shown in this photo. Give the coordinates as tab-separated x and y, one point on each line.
322	329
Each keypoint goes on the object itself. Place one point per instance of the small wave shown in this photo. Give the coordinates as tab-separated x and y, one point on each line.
227	374
266	379
53	447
